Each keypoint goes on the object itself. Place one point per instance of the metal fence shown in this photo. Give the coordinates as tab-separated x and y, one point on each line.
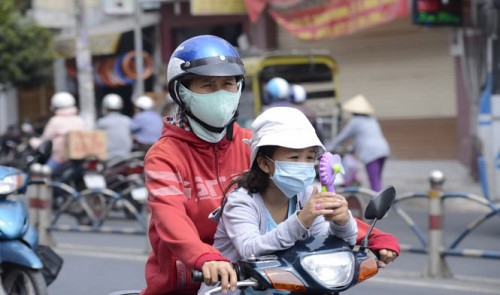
430	242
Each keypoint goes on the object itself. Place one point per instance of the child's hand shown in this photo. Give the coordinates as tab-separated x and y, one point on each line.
318	204
339	207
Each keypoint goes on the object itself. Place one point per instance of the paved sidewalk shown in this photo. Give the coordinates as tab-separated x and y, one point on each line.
460	284
409	176
413	175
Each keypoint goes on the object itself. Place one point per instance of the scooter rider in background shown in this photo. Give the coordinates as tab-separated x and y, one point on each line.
65	119
277	93
190	165
116	125
146	123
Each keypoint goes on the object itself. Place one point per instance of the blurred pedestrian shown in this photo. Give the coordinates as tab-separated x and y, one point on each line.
369	143
146	124
116	125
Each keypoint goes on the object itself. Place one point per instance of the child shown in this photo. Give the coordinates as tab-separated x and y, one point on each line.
275	203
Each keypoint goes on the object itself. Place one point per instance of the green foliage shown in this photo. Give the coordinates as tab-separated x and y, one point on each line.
26	52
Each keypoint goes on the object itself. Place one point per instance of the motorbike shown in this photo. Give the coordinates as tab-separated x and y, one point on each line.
14	145
116	184
89	189
125	175
26	267
66	186
323	265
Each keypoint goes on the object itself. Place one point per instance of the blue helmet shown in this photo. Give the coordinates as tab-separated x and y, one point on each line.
203	55
278	89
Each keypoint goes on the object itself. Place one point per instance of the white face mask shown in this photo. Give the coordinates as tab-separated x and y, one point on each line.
215	109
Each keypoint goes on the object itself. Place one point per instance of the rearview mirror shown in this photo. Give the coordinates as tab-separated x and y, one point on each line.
44	151
380	204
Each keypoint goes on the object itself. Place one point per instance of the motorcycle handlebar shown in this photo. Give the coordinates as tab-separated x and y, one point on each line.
197	276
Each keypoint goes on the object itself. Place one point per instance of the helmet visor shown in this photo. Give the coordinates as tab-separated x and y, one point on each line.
215	66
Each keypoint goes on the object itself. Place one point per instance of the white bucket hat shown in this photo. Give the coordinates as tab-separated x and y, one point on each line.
285	127
359	105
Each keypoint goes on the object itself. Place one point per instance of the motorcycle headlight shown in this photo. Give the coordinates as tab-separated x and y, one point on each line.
332	270
11	183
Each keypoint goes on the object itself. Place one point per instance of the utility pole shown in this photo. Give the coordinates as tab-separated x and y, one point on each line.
139	62
493	36
84	67
488	129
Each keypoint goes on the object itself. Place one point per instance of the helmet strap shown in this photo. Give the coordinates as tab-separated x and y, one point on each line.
174	94
229	132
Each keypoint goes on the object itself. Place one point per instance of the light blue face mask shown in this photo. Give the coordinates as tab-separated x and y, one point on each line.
293	177
215	109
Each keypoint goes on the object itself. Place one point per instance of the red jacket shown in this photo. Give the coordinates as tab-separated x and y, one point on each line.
378	239
186	177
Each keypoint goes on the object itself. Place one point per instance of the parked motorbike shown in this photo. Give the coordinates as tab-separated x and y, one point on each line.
89	189
25	266
125	175
66	186
116	184
80	191
14	145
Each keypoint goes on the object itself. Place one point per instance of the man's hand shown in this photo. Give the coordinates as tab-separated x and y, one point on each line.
213	270
386	256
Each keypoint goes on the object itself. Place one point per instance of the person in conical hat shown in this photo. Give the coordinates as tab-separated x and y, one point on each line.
369	143
358	105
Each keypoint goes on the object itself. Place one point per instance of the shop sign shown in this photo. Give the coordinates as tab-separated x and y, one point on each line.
217	7
437	12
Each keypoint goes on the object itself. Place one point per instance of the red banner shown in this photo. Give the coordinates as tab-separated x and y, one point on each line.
324	19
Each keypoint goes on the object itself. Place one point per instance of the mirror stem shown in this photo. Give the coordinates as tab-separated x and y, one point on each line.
364	243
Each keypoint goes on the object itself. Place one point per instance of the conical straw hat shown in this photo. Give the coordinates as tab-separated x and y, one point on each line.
358	105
